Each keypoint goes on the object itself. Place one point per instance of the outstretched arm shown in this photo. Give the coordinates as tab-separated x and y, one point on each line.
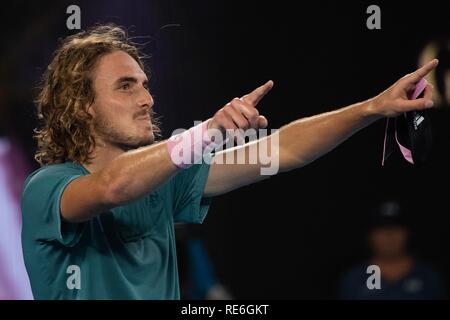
305	140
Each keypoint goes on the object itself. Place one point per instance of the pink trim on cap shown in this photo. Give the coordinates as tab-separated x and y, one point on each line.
385	140
420	86
407	154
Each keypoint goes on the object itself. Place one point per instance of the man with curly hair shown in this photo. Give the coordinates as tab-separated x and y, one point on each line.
98	216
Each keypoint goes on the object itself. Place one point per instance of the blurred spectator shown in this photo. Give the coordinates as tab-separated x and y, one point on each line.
198	280
440	78
402	275
14	283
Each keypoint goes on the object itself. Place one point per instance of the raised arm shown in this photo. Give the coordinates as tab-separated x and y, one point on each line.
305	140
126	178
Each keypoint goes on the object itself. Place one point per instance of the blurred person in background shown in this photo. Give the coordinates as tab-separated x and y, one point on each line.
440	77
198	277
14	283
403	276
14	168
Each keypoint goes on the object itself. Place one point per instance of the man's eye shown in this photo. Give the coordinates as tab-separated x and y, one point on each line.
125	86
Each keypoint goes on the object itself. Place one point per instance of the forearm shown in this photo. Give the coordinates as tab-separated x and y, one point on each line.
138	172
305	140
124	179
294	145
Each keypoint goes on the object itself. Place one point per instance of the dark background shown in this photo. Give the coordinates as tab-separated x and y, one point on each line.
289	237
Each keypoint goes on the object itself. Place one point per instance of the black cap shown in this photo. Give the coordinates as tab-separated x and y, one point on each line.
387	214
414	131
410	132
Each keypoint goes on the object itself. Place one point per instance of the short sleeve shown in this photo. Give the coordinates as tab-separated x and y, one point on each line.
187	188
41	200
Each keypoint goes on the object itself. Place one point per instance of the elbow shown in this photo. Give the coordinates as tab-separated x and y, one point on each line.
293	159
295	163
290	161
114	190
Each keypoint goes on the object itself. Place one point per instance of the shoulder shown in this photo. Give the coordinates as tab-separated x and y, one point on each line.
426	270
49	177
54	170
356	272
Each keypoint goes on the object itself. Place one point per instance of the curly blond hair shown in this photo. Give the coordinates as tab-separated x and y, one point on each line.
66	132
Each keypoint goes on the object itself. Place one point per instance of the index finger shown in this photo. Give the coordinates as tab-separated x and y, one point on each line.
424	70
256	95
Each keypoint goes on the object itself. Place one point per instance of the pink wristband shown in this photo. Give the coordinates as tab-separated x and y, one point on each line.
188	147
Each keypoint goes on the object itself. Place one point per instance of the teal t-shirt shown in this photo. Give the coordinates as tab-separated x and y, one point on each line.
126	253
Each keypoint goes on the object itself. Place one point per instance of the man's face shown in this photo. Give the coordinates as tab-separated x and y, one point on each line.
122	103
389	242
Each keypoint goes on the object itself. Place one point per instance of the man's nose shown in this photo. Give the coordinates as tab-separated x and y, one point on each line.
145	99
